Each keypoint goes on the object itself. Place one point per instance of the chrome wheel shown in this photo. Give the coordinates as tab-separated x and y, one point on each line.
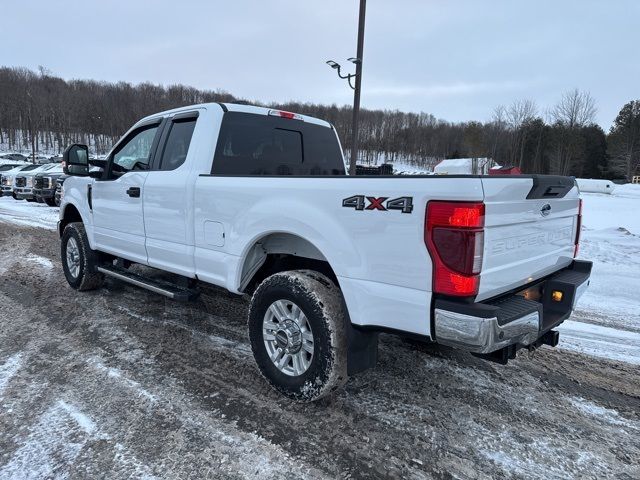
288	337
73	257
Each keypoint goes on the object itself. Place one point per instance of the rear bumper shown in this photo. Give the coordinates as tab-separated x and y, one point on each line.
511	321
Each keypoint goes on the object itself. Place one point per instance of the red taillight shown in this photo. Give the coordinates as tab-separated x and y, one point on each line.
578	229
454	235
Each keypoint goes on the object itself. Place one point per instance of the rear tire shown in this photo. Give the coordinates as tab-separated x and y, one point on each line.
297	329
79	262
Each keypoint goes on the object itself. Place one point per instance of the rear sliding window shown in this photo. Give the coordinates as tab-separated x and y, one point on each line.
252	144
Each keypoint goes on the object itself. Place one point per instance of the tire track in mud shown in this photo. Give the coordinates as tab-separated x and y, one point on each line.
161	378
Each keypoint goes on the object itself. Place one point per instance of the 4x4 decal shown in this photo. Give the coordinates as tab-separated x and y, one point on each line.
364	202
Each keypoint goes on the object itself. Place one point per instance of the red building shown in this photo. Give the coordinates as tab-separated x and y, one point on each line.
505	171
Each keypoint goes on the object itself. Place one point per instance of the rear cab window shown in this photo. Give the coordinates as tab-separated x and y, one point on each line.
255	145
176	146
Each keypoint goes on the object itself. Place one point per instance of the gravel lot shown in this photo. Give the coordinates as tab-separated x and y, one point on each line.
122	383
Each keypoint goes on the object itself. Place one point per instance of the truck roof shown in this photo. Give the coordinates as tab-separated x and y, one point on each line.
235	107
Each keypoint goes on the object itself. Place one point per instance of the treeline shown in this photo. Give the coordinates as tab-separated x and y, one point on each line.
42	112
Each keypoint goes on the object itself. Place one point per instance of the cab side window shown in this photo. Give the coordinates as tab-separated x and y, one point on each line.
135	153
177	144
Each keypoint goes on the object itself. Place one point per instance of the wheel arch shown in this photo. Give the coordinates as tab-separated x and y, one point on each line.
278	251
69	214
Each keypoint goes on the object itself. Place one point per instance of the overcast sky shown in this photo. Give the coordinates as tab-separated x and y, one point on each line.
455	59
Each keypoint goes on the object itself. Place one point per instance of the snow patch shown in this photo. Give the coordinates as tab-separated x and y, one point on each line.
52	446
83	421
42	261
8	370
131	465
606	415
237	349
118	375
599	341
28	214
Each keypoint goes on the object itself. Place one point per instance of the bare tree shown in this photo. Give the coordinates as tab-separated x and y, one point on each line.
575	109
519	113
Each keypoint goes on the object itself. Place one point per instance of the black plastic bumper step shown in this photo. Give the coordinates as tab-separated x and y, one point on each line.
162	287
514	307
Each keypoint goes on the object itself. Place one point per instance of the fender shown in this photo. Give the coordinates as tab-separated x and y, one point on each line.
75	194
303	220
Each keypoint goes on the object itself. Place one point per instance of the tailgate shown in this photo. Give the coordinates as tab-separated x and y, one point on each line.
530	229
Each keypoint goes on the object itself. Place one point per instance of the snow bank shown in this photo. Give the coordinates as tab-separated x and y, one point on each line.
598	341
462	166
620	209
29	214
611	240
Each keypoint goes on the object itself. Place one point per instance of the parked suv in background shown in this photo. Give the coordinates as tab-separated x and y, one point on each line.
23	182
7	178
44	185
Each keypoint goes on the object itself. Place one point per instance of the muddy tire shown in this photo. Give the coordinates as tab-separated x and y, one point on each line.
297	329
78	260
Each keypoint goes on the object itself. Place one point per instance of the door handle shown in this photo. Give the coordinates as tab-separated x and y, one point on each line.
133	191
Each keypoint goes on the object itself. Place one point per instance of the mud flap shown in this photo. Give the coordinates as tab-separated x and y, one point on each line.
363	350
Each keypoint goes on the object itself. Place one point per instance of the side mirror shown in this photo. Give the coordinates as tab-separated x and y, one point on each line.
75	160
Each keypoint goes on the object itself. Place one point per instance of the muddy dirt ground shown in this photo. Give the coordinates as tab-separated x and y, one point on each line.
123	383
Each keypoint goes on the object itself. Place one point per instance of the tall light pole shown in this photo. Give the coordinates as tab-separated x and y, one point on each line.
356	94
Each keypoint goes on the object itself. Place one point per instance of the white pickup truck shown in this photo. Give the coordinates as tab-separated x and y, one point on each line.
257	201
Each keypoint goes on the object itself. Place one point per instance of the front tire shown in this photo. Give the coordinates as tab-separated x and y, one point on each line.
50	202
297	329
79	262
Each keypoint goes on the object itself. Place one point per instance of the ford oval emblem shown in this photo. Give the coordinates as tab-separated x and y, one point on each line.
545	210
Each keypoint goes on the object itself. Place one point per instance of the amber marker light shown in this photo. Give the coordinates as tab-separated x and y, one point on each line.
556	296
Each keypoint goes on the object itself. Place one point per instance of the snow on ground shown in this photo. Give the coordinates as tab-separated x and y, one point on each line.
41	261
605	414
599	341
607	320
29	214
8	369
57	439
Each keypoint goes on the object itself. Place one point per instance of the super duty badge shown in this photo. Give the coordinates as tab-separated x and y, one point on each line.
364	202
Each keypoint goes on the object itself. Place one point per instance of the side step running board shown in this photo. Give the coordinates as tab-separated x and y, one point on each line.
158	286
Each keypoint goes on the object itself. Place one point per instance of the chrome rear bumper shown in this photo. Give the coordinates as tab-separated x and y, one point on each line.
484	335
510	320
